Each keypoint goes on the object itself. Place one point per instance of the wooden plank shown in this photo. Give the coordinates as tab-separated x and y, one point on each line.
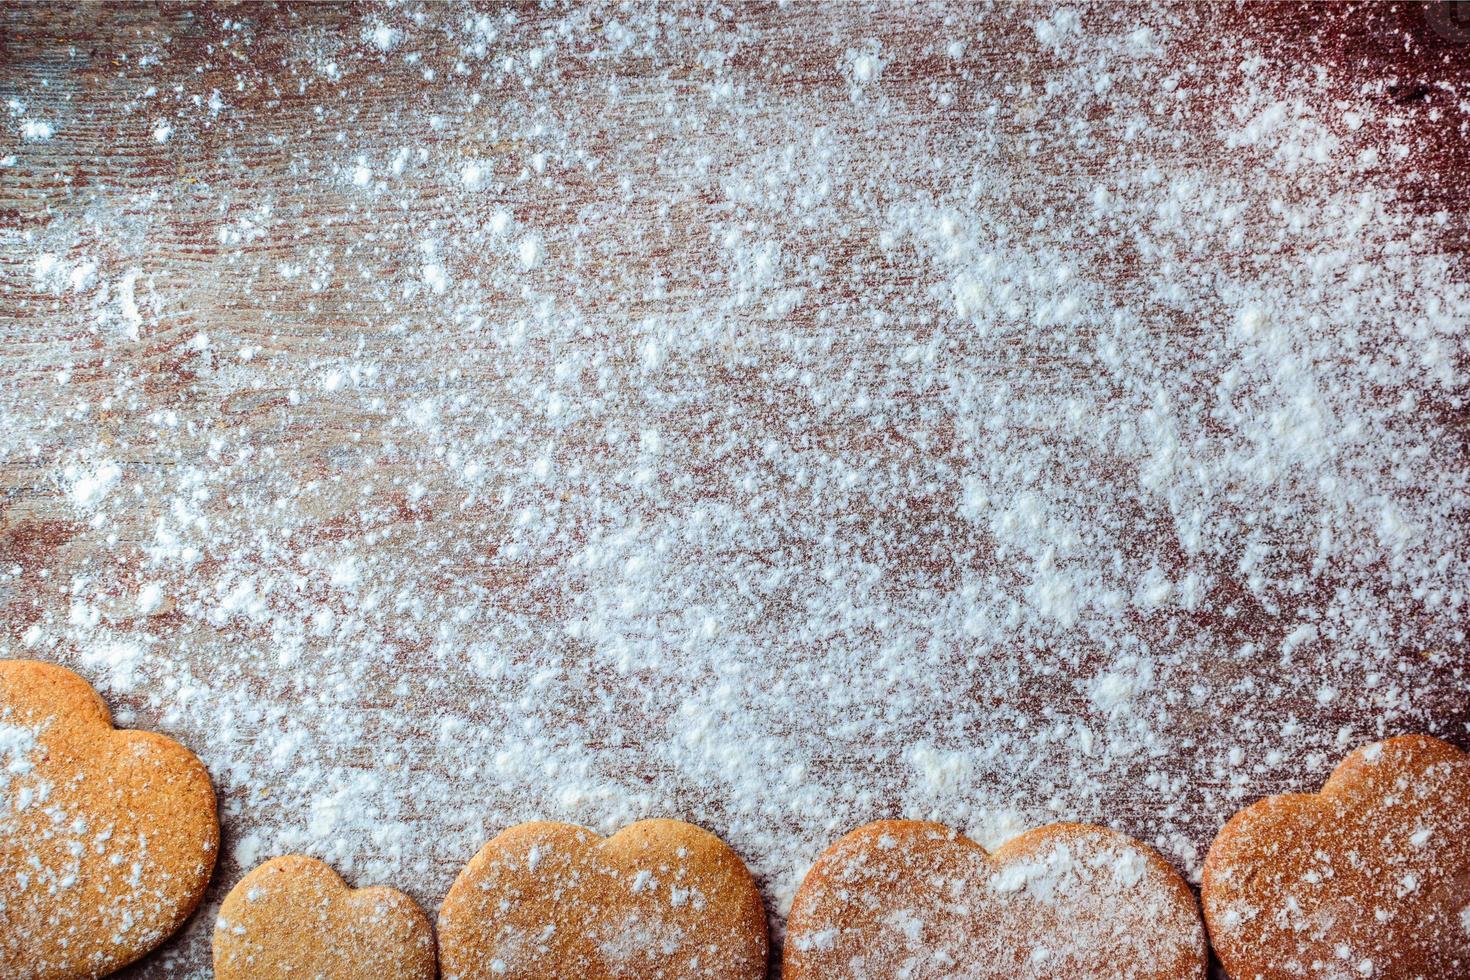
459	520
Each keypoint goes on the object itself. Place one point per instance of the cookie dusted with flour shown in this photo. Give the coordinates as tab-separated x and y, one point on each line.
295	917
904	898
107	836
1368	878
659	900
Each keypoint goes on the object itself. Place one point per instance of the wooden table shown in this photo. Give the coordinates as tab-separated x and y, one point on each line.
421	488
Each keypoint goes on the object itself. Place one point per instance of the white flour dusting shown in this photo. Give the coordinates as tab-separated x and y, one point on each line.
921	906
776	419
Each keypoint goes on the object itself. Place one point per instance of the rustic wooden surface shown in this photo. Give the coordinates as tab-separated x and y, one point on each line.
207	218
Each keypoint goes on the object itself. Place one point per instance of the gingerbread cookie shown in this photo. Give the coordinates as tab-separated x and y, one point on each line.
1368	878
904	898
107	836
294	917
659	900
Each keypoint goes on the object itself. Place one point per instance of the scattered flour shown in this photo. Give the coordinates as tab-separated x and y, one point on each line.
675	420
88	488
1078	906
36	130
17	743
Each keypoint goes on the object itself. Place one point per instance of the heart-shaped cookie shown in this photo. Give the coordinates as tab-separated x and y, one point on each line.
659	900
1368	878
294	917
904	898
107	836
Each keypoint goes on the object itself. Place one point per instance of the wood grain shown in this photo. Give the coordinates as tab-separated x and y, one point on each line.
246	226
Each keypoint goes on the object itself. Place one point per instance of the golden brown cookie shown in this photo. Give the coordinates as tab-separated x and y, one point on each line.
107	836
1368	878
659	900
904	898
294	917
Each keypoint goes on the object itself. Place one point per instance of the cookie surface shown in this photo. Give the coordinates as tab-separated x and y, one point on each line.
295	917
659	900
107	836
1368	878
904	898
